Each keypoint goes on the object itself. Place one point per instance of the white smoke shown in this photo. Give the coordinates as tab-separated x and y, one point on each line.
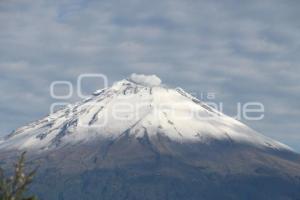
146	80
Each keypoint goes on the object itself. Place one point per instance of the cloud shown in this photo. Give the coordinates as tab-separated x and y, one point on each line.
241	51
146	80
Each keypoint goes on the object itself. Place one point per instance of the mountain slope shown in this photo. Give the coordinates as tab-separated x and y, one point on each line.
142	140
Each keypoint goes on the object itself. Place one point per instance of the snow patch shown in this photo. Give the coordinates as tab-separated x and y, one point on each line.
146	80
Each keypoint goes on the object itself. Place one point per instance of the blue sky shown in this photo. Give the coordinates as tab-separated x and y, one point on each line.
242	52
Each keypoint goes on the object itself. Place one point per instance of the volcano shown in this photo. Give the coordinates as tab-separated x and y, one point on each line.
140	139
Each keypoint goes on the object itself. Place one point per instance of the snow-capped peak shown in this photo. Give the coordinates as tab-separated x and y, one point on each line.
138	105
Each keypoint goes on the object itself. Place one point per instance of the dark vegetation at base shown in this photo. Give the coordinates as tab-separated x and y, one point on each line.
124	185
15	187
135	169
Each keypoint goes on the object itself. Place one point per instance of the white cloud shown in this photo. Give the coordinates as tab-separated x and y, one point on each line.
146	80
